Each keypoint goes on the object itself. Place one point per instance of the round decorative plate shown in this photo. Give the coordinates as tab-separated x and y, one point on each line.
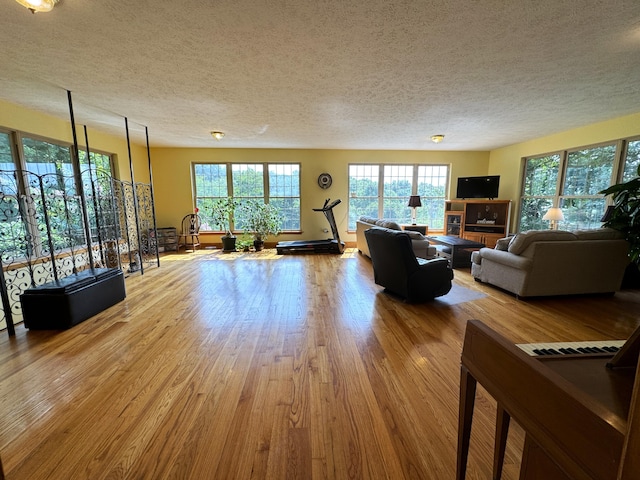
324	180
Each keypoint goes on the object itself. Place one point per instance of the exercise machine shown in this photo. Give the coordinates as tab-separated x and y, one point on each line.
330	245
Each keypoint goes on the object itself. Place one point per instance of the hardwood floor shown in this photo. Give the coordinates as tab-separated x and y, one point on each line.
237	366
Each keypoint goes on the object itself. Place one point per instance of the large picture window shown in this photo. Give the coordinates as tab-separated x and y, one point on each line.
23	213
383	191
570	179
275	183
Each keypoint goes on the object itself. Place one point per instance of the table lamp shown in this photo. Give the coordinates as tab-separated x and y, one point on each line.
414	201
554	215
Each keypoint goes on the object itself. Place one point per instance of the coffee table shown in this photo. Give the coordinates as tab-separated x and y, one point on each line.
455	249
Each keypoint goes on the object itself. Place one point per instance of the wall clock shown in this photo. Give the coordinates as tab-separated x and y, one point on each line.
324	180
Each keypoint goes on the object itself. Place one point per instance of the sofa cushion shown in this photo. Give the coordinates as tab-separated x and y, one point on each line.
370	220
503	243
388	224
604	233
522	240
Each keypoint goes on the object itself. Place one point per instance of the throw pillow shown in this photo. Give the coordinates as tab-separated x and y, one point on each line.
370	220
503	244
388	224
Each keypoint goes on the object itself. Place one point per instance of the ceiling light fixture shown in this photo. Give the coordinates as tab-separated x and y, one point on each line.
437	138
217	135
38	5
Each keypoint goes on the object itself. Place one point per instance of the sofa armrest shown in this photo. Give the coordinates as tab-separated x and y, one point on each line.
505	258
415	235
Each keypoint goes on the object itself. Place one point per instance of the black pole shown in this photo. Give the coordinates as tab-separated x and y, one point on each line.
93	193
135	198
153	202
83	204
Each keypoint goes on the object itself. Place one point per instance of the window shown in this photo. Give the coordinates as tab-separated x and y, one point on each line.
631	161
284	193
363	192
588	172
278	184
571	180
383	191
432	185
25	212
540	186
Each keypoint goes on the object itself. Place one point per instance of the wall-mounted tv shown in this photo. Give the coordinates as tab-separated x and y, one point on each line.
478	187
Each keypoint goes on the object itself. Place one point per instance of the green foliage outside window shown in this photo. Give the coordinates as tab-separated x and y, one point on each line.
364	199
247	185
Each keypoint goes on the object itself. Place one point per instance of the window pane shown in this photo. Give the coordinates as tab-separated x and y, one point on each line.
589	171
211	184
582	213
363	192
533	209
43	157
248	185
248	181
13	240
632	161
541	175
538	191
61	202
284	193
396	192
432	182
6	159
96	179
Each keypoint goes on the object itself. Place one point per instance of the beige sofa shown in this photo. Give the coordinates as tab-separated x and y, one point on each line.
419	242
554	262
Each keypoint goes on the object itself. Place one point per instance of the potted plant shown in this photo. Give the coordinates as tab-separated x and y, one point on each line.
244	242
222	211
624	216
262	220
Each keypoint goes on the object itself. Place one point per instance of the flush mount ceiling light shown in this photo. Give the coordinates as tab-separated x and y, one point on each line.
38	5
217	135
437	138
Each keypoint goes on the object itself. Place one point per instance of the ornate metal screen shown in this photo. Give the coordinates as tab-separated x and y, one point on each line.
49	229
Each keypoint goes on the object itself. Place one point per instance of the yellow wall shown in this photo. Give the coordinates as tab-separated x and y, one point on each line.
508	161
174	197
14	117
172	166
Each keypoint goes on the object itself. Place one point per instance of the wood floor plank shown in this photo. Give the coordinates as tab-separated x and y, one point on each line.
265	366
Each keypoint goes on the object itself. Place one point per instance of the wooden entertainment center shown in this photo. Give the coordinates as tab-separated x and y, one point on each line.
479	220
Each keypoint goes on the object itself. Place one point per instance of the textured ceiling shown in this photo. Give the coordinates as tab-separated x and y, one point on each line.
357	74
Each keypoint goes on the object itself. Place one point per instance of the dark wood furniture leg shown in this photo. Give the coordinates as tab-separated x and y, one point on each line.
502	431
465	417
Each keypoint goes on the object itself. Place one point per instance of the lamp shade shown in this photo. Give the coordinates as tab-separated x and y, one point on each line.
554	213
414	201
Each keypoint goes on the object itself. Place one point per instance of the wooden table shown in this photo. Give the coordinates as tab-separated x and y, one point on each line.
457	250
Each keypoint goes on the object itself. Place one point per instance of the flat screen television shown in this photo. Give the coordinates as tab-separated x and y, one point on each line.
478	187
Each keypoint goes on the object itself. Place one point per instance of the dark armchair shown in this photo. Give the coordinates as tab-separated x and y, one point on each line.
396	267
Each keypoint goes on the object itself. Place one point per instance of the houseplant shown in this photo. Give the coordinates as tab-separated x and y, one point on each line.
624	216
262	220
222	211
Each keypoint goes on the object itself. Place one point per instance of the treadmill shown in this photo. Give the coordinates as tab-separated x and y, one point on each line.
331	245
